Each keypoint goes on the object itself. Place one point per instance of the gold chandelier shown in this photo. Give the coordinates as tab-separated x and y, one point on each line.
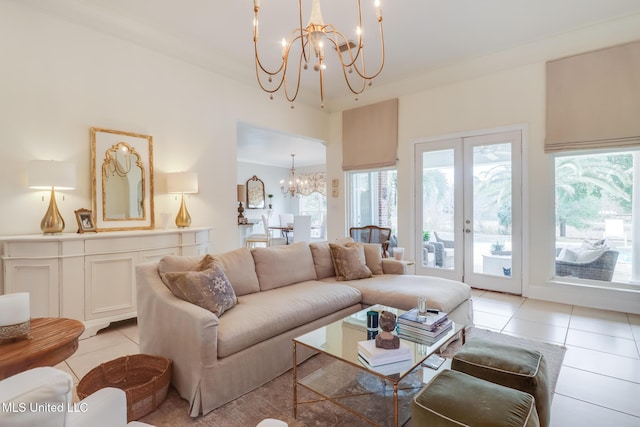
312	39
296	186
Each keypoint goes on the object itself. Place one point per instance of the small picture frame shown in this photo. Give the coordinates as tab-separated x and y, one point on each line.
85	221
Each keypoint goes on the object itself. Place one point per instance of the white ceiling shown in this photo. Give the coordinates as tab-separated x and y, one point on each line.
420	35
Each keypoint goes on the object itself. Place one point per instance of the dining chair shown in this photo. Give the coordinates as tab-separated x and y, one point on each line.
256	239
301	228
286	219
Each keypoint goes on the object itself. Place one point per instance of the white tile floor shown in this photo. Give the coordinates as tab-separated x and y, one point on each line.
599	382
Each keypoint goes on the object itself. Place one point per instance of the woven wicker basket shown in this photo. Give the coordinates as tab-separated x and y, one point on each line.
145	380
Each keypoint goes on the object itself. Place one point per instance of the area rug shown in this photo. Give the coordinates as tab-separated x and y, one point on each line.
274	399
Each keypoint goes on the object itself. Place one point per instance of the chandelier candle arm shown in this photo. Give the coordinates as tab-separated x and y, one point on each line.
312	43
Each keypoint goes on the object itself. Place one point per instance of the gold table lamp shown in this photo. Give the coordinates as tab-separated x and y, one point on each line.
183	183
52	175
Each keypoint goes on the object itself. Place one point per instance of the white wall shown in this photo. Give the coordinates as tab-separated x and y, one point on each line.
507	89
58	79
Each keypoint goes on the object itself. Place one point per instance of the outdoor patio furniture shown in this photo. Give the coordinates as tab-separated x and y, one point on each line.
599	268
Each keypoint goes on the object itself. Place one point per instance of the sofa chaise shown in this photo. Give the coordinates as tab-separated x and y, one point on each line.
282	292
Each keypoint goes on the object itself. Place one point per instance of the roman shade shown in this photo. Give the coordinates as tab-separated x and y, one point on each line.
593	100
370	136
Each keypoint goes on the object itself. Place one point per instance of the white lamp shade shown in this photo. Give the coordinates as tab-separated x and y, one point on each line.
44	174
182	182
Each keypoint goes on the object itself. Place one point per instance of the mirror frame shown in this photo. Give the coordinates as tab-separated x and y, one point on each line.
101	141
254	205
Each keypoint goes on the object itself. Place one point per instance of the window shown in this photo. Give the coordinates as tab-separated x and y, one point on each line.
315	205
373	199
594	218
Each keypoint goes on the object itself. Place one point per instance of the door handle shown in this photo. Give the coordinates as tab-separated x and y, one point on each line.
467	230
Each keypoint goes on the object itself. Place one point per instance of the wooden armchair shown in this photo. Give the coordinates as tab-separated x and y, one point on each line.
372	234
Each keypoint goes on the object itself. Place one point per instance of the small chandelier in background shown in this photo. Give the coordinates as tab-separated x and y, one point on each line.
312	39
296	185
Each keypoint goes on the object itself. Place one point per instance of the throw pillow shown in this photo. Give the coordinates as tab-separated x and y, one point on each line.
349	262
372	255
589	255
209	289
172	263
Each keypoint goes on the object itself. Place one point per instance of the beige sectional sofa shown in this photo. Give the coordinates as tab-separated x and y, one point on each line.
282	292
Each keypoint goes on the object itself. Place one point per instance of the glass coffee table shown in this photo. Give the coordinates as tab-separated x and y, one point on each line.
382	394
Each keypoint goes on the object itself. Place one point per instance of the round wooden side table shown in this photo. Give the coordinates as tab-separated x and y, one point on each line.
51	341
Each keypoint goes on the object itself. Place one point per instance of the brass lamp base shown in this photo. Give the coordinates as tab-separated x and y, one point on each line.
183	219
52	221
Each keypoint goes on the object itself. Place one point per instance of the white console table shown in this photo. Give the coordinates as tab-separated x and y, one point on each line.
89	277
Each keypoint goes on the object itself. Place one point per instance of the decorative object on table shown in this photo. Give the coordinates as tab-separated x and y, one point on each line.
423	328
144	378
240	188
270	196
52	175
376	356
398	253
422	306
434	361
386	339
182	183
15	320
306	43
372	324
84	218
122	180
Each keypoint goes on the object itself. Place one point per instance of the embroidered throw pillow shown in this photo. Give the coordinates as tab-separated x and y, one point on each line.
349	262
209	289
372	256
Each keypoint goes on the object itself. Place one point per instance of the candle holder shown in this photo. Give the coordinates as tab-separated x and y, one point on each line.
19	331
15	321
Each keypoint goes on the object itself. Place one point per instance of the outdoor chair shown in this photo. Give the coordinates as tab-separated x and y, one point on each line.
372	234
600	268
444	250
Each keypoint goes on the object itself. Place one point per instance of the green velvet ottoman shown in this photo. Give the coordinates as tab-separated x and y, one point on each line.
455	399
514	367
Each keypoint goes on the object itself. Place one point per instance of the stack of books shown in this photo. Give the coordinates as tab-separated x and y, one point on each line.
425	329
375	356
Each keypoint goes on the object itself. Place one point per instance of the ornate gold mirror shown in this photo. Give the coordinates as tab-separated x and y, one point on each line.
255	193
122	180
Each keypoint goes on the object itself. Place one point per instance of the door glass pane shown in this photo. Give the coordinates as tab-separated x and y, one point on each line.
438	186
492	215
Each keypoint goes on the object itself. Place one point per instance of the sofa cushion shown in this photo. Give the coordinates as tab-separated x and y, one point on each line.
209	289
278	266
372	256
349	262
322	259
240	269
260	316
402	291
183	263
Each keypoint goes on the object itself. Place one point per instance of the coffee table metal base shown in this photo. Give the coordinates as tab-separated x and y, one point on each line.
377	397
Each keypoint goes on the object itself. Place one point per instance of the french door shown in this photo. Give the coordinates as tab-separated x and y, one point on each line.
468	210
